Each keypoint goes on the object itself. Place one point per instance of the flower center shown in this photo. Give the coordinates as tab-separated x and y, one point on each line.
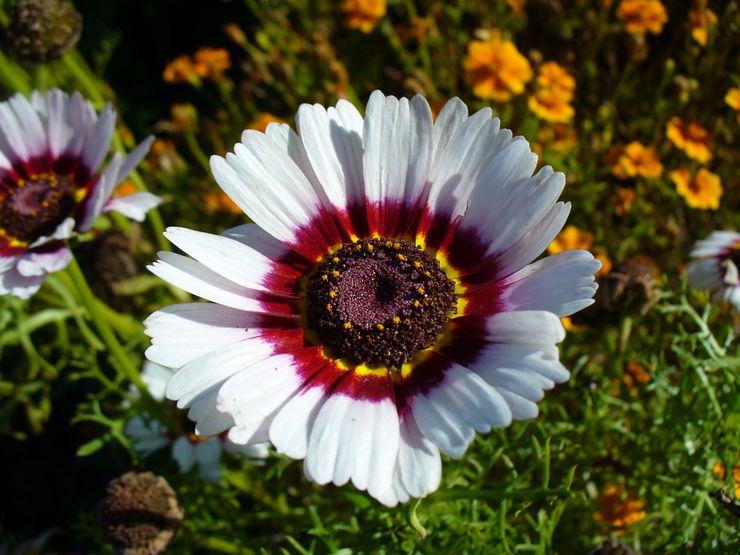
37	206
377	302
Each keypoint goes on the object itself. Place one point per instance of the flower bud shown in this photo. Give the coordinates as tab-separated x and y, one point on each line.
43	30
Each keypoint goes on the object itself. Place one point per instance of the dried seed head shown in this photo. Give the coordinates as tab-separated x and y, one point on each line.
140	514
43	30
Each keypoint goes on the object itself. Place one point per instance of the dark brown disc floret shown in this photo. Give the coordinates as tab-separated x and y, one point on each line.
378	301
35	207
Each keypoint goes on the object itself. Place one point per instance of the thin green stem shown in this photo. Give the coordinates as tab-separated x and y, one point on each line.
77	67
196	151
121	359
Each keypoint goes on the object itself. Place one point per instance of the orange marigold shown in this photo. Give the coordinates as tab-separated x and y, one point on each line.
642	16
363	14
732	98
554	77
550	106
181	70
617	509
701	191
125	189
495	68
690	137
699	24
212	62
634	159
264	119
558	136
571	238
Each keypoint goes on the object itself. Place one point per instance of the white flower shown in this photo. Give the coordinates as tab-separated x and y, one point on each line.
51	149
188	450
384	306
717	259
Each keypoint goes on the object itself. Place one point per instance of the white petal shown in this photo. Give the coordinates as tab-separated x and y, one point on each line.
525	327
255	237
419	466
133	158
214	368
42	263
33	131
13	283
234	260
100	194
133	206
156	376
194	277
207	455
183	453
289	430
64	230
562	284
98	144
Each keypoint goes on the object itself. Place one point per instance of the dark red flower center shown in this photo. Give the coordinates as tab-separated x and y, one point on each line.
377	302
36	207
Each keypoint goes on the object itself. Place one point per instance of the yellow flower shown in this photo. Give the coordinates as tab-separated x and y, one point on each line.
699	24
632	160
690	137
212	62
363	14
571	238
719	470
732	98
181	70
558	137
622	199
701	191
550	106
642	16
495	68
617	509
264	119
554	77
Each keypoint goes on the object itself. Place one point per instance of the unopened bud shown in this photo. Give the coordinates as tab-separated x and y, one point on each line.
43	30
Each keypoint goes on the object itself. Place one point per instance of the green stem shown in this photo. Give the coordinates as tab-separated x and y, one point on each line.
196	151
121	359
77	67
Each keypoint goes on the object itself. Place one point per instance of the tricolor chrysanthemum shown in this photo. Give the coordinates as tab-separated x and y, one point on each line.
51	149
716	265
384	306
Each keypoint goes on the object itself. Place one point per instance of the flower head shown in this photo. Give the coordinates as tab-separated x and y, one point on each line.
690	137
363	14
634	159
181	70
550	106
715	266
642	16
495	68
554	77
719	470
43	30
188	450
701	191
700	22
210	63
384	306
52	147
622	199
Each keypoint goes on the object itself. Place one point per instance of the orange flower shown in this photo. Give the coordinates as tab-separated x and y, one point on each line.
184	117
181	70
495	68
220	202
212	62
701	191
732	98
363	14
571	238
550	106
622	199
264	119
558	137
642	16
617	509
554	77
633	159
699	24
635	374
719	470
606	263
690	137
